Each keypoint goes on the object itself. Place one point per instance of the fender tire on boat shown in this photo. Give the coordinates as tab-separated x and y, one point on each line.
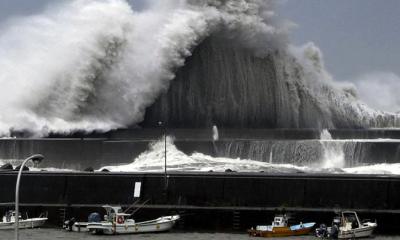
120	220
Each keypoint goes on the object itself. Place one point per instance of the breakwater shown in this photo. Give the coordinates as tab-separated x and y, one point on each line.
301	147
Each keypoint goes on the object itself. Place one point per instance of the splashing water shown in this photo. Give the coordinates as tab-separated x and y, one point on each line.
325	135
96	65
85	65
153	160
334	156
383	168
215	133
270	157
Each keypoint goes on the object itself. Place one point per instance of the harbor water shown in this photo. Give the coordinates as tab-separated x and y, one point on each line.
53	233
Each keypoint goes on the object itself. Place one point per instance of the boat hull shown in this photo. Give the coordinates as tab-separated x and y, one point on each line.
28	223
162	224
77	227
361	232
279	232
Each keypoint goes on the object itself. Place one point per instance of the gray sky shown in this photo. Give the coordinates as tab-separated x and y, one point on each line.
355	36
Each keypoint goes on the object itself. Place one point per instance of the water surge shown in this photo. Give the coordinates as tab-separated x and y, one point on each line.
99	65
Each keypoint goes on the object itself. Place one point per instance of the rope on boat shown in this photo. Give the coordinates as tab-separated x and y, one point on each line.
138	208
131	206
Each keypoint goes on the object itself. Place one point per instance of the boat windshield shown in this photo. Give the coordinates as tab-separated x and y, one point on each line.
279	221
349	217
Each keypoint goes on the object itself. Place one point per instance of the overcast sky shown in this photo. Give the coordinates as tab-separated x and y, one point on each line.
355	36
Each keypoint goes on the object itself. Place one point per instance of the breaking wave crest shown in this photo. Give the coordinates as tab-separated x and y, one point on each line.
97	65
91	64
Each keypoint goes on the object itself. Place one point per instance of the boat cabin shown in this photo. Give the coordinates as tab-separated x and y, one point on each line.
350	220
115	214
280	221
10	216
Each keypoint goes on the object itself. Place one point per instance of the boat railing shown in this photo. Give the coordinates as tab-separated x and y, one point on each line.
43	215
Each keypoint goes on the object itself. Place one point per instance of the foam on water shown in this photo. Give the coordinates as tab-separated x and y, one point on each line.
153	161
30	165
383	168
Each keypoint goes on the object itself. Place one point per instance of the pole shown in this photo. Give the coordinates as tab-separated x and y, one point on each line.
165	158
36	157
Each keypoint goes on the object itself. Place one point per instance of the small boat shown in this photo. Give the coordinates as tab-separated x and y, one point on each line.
347	226
9	221
331	232
351	226
280	228
74	226
118	222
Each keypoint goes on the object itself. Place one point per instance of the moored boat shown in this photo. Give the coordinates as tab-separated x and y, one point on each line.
352	227
280	228
74	226
9	221
347	225
117	222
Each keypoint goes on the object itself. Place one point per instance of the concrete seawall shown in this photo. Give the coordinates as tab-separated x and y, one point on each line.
252	195
78	154
234	190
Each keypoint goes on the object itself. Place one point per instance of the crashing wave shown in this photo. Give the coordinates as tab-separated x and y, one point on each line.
153	160
98	65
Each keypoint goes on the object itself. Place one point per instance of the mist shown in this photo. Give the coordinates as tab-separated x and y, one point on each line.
379	90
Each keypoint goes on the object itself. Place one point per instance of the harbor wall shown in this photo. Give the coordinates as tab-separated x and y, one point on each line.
216	198
227	133
228	190
298	147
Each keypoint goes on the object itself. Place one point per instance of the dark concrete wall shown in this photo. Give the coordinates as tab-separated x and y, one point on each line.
227	133
230	190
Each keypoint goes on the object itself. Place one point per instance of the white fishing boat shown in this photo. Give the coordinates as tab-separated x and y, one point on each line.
118	222
9	221
351	227
346	225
